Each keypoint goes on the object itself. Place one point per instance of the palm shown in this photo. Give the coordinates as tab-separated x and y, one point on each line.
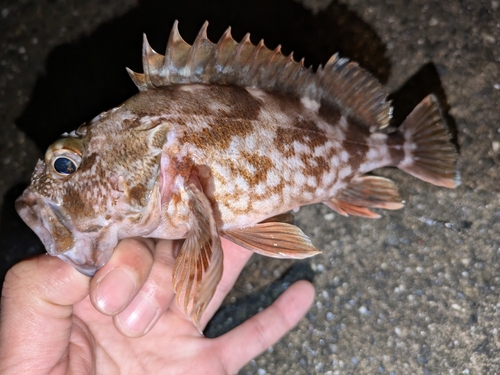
173	341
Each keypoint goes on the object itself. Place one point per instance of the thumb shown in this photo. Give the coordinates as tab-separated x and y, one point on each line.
36	314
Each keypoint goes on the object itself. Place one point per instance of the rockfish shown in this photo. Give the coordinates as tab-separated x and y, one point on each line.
222	140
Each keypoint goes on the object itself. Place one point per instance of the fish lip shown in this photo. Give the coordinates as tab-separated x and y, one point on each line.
26	207
31	207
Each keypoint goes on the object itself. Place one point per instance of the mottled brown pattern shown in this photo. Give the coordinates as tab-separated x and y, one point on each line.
75	203
75	199
290	105
315	165
159	137
153	102
173	99
219	134
278	189
308	125
62	237
228	198
243	105
88	162
138	194
329	114
356	144
300	133
262	166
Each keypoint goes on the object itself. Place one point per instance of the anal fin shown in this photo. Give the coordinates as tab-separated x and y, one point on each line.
273	239
366	192
286	217
198	267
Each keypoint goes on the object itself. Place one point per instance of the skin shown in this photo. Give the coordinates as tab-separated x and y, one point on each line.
55	320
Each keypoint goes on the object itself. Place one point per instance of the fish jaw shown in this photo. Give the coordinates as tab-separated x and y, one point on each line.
55	229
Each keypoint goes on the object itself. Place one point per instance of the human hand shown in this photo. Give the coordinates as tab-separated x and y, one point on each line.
55	320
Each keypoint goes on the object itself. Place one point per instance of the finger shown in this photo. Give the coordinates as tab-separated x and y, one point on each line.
246	341
115	285
155	296
36	315
235	258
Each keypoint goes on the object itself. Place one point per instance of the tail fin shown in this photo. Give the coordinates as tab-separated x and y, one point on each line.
429	154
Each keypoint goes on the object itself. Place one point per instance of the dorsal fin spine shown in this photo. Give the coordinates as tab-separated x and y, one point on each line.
340	84
197	54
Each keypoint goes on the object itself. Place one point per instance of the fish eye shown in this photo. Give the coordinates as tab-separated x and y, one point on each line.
64	165
64	156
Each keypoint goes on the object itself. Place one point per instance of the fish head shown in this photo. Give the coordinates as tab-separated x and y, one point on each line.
88	193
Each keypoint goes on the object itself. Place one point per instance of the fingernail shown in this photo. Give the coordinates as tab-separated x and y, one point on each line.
115	290
139	316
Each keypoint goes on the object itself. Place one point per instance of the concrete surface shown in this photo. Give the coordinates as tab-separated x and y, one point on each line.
416	292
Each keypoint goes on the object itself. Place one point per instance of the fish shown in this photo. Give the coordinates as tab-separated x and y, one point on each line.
224	140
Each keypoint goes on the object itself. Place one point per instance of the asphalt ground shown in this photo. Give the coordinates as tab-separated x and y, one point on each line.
415	292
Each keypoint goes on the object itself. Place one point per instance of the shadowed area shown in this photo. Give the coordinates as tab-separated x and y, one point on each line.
424	82
233	314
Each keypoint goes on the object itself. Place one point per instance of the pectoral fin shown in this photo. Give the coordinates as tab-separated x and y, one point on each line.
198	267
366	192
273	239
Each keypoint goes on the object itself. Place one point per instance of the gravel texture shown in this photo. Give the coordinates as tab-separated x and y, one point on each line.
415	292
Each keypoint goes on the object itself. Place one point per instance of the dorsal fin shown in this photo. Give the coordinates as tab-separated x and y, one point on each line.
340	84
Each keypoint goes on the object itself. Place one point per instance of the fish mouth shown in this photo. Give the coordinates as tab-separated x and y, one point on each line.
58	234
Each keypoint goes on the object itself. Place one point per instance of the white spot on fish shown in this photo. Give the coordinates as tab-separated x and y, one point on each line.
344	155
310	104
329	178
378	136
299	147
343	122
273	179
335	161
217	107
286	174
344	172
241	183
369	165
191	88
241	203
408	159
250	142
300	179
372	153
311	181
321	150
256	93
260	188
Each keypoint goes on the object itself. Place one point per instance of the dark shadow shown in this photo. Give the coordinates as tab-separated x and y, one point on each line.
86	77
232	315
17	240
426	81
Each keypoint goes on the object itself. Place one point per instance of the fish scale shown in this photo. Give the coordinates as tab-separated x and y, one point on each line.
222	140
